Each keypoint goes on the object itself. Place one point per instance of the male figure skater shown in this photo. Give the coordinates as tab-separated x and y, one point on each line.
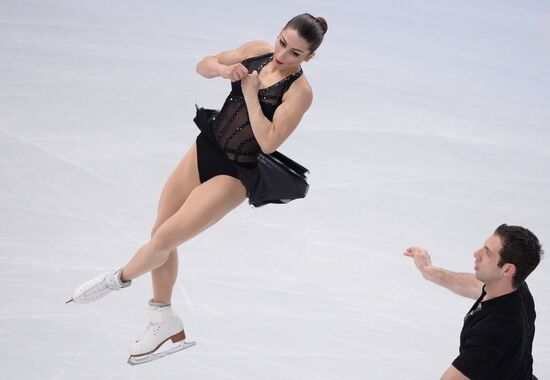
497	336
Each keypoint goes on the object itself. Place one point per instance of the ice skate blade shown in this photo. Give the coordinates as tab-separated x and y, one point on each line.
71	300
135	360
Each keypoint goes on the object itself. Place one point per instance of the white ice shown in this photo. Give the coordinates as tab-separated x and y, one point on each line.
429	127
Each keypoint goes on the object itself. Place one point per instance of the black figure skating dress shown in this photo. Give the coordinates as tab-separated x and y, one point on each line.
226	144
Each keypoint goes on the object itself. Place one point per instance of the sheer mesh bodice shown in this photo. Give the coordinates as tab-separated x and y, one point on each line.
231	127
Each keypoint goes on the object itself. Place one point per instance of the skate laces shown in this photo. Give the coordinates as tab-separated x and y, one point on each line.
152	328
98	286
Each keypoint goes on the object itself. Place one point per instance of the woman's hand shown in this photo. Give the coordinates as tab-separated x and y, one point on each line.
250	85
234	72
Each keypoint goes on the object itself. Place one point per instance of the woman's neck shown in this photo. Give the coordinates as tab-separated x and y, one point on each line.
271	68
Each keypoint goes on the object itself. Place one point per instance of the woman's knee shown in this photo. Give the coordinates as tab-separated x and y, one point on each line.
161	245
154	229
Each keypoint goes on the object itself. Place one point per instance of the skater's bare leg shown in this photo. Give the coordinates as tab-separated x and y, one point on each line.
164	278
176	190
206	204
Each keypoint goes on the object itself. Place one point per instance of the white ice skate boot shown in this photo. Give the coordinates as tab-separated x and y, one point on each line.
98	287
164	325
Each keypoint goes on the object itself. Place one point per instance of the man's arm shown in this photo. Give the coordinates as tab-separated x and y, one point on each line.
464	284
453	374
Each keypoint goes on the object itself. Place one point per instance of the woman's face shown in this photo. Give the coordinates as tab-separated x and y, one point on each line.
290	50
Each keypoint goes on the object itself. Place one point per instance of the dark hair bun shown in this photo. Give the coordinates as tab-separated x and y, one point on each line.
310	28
323	23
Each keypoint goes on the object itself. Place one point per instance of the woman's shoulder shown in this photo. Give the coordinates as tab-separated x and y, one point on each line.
243	52
302	87
299	92
256	48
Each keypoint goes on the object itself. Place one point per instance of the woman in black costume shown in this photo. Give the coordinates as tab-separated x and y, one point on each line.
269	96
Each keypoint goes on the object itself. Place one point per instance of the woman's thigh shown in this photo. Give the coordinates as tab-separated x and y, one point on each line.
177	188
205	205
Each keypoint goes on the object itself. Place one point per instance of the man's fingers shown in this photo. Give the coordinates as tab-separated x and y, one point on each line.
412	251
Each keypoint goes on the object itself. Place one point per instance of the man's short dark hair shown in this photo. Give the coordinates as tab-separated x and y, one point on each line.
521	248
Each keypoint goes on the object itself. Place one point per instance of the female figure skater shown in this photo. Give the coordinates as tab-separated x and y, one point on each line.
269	96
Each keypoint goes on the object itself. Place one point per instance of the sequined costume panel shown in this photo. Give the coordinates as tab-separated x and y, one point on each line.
231	127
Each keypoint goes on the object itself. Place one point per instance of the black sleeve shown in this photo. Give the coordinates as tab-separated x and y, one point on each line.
479	354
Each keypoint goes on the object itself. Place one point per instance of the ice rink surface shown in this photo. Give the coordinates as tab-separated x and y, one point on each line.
429	127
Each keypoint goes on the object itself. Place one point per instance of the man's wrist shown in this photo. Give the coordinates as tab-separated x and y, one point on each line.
429	272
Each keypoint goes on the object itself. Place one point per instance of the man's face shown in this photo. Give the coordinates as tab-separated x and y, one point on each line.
486	260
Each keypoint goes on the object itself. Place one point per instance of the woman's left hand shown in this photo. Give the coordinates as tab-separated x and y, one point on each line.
250	85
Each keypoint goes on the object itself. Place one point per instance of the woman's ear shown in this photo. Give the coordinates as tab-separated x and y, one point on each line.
309	56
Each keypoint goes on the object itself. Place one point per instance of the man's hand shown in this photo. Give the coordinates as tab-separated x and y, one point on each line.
464	284
421	258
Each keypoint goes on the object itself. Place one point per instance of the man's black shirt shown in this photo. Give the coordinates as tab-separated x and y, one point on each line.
497	337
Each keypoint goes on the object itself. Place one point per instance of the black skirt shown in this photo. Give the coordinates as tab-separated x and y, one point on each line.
273	178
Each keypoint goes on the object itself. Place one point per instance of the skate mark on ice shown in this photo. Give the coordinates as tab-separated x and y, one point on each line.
72	163
78	355
214	369
78	218
186	295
